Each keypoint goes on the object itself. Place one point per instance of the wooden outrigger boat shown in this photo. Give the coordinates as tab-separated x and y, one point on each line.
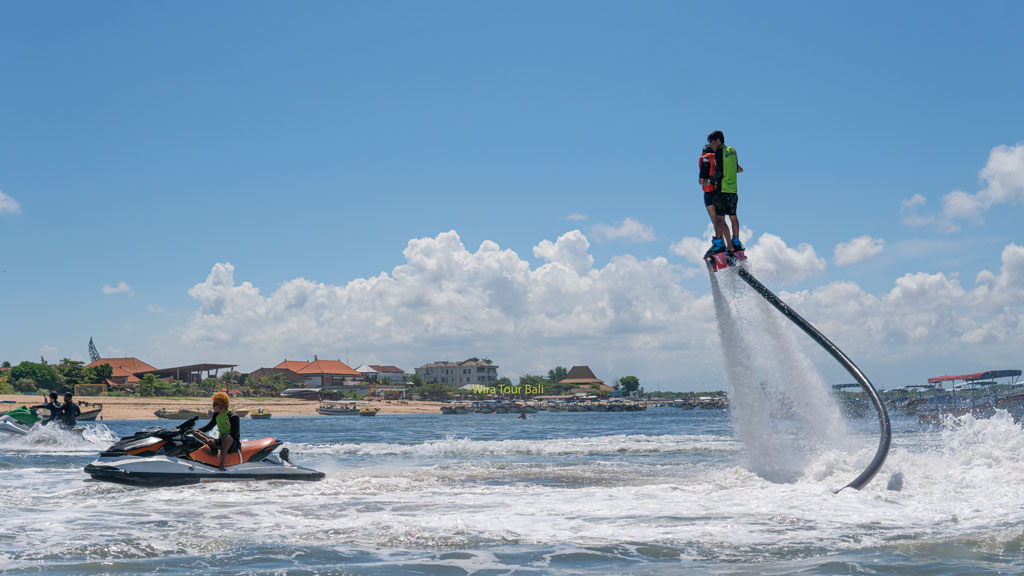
338	409
180	414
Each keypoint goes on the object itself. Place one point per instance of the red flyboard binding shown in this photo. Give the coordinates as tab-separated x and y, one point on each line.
734	258
716	262
722	260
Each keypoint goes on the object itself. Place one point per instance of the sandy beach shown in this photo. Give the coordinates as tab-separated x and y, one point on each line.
124	408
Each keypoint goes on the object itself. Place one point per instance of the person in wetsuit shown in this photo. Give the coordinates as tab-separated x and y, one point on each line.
69	412
227	424
55	409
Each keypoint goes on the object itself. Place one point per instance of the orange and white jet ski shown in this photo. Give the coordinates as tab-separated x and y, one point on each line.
175	456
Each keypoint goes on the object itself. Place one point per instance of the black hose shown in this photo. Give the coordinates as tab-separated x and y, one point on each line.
883	416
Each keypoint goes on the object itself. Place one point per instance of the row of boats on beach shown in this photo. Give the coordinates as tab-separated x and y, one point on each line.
585	405
979	394
353	408
499	407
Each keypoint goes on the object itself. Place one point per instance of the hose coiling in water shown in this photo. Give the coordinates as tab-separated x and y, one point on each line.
883	416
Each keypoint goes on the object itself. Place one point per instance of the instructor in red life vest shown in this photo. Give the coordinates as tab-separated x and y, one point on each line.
707	184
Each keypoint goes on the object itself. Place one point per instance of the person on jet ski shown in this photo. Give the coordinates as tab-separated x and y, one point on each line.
54	407
69	412
227	425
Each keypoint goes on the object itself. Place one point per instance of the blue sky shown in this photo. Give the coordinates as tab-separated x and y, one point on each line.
400	182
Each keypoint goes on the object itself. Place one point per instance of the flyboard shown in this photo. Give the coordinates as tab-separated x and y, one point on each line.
736	260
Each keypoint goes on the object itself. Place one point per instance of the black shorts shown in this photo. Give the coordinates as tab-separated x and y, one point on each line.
725	203
215	447
709	199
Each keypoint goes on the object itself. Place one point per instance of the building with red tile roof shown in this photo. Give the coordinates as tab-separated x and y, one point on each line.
328	373
333	367
293	365
124	369
289	375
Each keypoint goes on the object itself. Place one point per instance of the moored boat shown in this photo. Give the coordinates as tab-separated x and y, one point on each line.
338	409
90	411
180	414
979	394
260	414
853	403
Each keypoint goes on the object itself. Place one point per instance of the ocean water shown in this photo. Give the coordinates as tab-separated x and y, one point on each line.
665	491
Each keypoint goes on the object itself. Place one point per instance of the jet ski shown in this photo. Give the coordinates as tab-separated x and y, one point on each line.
177	456
18	421
21	421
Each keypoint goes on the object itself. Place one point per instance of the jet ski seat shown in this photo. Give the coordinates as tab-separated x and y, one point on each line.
249	447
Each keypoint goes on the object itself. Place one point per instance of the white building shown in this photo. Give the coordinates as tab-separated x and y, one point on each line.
383	374
481	373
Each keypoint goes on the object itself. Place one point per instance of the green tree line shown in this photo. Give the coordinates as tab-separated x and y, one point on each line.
31	377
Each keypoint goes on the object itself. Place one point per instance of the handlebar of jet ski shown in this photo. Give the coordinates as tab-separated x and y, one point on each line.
187	424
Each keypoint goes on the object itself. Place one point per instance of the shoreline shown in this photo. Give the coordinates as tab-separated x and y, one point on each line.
136	408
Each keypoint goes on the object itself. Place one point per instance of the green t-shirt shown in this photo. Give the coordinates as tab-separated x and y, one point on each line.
728	162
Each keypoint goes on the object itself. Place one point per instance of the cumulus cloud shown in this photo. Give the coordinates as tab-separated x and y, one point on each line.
926	316
692	249
628	229
1005	289
777	260
8	205
858	249
571	249
910	211
1003	183
576	217
1004	175
119	288
445	291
